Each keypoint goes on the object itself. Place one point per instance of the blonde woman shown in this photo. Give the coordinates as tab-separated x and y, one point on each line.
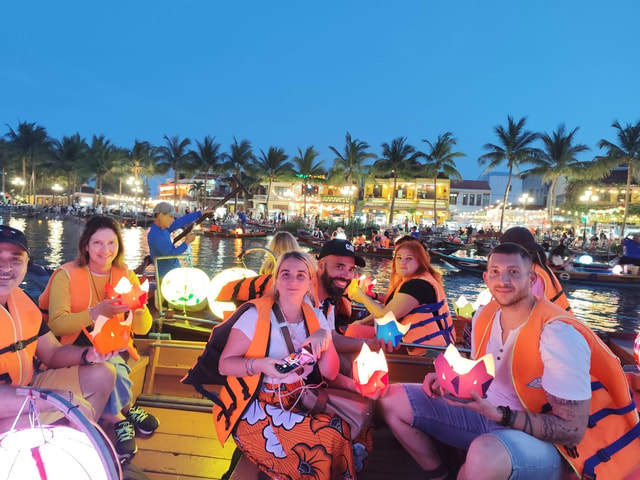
262	406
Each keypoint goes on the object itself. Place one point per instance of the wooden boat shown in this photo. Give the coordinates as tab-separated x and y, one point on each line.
367	250
587	274
234	234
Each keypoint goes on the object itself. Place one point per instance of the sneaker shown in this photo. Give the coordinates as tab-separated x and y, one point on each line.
144	422
125	439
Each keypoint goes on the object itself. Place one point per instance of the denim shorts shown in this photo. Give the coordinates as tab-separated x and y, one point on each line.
531	458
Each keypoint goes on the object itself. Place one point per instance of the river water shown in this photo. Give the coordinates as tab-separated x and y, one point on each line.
53	242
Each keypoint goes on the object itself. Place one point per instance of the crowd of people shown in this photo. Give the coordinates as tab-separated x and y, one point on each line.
559	402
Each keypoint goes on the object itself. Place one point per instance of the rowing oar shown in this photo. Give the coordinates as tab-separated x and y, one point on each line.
146	261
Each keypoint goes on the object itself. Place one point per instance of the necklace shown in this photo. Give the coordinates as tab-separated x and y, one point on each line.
95	289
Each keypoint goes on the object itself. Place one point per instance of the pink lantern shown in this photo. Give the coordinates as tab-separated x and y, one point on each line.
370	371
636	350
460	376
134	296
366	284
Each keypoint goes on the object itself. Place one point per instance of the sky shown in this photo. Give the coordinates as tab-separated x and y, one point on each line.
292	74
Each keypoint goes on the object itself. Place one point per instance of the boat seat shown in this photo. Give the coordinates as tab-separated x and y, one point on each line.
137	373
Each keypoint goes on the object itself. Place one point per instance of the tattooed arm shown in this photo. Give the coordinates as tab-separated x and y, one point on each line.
565	424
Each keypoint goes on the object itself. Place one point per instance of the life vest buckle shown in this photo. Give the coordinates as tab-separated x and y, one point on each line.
19	345
603	455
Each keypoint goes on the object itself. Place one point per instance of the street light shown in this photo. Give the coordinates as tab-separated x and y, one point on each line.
18	182
55	189
524	199
586	198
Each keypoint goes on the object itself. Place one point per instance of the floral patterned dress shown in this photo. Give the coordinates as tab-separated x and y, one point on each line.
288	444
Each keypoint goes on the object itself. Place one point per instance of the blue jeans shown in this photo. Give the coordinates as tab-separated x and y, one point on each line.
531	458
121	394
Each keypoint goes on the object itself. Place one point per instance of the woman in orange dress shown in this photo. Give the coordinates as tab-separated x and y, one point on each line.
269	427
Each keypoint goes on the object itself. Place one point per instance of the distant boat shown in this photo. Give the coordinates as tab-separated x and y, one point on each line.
233	233
585	274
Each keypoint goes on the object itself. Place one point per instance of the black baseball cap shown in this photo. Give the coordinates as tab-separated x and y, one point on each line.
13	235
341	248
522	237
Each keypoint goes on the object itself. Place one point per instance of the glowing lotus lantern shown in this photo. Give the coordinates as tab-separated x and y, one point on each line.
586	259
370	371
222	309
366	284
484	297
460	376
134	296
185	288
636	350
48	452
389	329
463	308
111	335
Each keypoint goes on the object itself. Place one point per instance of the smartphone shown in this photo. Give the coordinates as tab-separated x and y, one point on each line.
295	360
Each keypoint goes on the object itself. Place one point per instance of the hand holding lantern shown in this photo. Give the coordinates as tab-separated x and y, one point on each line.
389	329
460	376
111	335
134	296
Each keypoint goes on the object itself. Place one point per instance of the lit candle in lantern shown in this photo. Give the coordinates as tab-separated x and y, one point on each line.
460	376
134	296
370	371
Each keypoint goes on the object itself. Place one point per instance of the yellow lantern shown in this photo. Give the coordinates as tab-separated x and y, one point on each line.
185	288
220	280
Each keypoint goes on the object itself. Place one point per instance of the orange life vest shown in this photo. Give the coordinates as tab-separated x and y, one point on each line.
552	292
611	445
431	324
20	326
245	289
81	292
238	392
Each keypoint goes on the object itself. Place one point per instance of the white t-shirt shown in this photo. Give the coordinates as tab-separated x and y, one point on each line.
277	345
566	357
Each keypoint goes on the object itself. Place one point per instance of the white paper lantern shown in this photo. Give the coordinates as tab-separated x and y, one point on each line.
220	280
49	452
186	288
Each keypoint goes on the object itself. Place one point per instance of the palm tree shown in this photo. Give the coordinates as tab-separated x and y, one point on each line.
174	155
627	153
238	160
273	166
31	143
441	158
514	148
558	159
350	166
102	159
208	157
67	155
197	188
306	167
398	159
141	162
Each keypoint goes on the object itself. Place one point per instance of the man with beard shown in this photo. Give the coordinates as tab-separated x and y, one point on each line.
553	378
337	263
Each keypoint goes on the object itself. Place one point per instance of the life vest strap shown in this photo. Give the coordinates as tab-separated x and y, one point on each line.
595	417
19	345
427	308
605	454
446	333
6	378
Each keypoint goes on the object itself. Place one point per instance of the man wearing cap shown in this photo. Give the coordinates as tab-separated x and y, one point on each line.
546	284
159	236
80	372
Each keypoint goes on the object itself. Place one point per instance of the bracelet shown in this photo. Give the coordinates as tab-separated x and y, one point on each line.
84	359
505	421
248	366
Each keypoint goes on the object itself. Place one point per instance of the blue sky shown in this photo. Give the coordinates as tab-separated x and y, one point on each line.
298	73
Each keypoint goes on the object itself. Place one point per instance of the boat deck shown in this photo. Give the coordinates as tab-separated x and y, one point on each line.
185	447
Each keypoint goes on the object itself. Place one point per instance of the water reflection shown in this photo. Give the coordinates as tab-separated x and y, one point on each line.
55	242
